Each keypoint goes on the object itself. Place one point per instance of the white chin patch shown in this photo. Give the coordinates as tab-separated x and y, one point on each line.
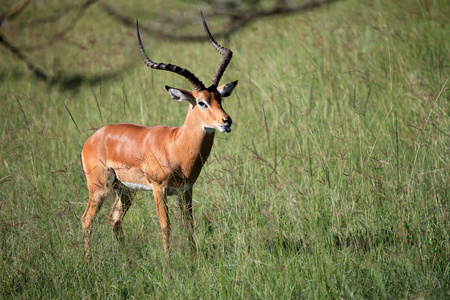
208	129
224	128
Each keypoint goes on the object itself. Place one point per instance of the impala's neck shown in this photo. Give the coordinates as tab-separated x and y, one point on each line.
193	132
196	143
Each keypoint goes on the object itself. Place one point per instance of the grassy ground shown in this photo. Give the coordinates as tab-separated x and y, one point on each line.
333	183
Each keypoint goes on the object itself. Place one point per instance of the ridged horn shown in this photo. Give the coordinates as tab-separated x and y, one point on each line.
199	86
227	54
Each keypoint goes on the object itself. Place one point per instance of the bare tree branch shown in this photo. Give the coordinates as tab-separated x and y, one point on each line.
14	11
55	17
16	52
237	18
238	14
58	36
64	81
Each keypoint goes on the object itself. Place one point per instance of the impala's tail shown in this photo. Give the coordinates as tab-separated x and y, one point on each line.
82	165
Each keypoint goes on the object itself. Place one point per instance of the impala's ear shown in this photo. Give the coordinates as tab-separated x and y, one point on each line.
226	89
180	95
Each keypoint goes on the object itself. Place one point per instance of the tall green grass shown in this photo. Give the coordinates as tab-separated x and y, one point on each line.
332	184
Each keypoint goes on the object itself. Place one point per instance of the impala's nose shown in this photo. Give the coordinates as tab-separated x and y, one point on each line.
227	121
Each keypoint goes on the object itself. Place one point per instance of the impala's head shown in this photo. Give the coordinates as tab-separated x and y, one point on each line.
206	103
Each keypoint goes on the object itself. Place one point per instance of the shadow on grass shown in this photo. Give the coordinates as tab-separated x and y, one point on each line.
68	82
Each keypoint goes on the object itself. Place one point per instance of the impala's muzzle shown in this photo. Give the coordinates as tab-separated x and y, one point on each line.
226	126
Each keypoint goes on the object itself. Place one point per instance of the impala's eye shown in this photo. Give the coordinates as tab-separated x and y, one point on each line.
202	104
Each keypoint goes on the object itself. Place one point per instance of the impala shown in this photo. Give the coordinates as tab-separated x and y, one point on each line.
121	158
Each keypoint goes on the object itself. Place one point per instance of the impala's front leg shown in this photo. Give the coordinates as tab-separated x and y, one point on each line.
185	203
161	208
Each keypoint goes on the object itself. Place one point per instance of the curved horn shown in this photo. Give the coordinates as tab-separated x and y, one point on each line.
168	67
222	50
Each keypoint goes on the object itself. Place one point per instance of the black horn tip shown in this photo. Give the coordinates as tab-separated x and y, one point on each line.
137	31
204	24
201	14
137	27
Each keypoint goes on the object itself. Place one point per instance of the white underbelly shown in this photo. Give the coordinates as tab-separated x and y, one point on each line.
137	186
141	187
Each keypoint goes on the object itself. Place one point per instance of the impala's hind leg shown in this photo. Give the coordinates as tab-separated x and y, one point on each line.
124	197
98	191
185	203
